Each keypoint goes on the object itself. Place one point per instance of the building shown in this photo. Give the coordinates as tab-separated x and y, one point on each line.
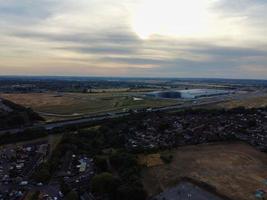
198	93
82	166
188	94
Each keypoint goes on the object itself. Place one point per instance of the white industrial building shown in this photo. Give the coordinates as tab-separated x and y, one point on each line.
198	93
188	94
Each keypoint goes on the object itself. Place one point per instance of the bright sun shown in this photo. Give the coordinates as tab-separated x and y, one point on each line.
172	17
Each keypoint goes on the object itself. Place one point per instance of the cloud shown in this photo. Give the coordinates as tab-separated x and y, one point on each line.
96	37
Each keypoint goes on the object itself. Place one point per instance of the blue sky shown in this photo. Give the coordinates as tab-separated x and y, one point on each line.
159	38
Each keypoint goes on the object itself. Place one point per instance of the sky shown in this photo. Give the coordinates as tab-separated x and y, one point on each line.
134	38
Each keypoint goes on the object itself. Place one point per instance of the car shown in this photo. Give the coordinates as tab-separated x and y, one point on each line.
24	183
40	184
60	194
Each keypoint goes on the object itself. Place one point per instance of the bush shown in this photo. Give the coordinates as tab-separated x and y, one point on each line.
105	183
131	193
72	195
166	157
43	174
101	163
123	160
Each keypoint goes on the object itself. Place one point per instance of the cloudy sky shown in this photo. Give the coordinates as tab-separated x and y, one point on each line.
154	38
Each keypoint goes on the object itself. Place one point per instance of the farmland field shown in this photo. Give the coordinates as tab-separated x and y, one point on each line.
235	170
254	102
150	160
54	106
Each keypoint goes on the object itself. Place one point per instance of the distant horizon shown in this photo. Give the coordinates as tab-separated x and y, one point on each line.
124	77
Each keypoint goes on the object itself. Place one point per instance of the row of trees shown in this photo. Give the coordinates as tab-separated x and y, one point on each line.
19	116
28	134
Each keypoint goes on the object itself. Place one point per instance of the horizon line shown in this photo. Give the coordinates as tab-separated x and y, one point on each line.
130	77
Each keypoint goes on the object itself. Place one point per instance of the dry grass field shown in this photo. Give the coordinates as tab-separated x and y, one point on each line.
254	102
235	170
54	106
151	160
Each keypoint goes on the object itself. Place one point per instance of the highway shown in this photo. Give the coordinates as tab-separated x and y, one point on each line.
113	115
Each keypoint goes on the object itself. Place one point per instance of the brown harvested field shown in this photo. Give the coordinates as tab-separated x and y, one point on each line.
56	106
236	170
254	102
150	160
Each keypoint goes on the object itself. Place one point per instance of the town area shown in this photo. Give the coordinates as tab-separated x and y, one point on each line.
24	175
198	127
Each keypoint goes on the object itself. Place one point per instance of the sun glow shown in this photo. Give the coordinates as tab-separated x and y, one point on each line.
172	17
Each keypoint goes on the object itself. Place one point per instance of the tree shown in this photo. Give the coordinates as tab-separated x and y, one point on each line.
65	188
105	183
131	193
72	195
42	175
123	160
252	123
35	195
166	157
101	163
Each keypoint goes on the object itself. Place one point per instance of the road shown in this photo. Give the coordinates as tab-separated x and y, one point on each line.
113	115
